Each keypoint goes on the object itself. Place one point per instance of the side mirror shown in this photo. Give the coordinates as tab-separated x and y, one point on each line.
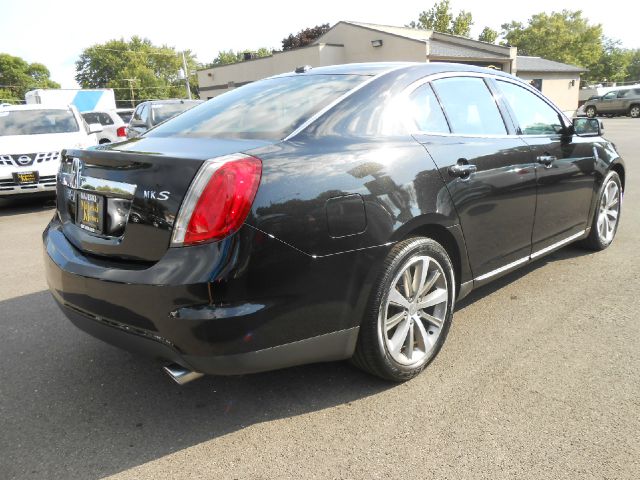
95	128
137	123
588	127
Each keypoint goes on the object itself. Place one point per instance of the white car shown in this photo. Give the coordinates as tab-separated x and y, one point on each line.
113	127
31	139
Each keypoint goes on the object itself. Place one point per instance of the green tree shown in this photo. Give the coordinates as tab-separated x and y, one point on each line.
304	37
633	70
18	76
564	36
136	66
613	64
488	35
225	57
440	18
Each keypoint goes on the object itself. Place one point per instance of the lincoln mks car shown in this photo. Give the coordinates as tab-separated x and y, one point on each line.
330	213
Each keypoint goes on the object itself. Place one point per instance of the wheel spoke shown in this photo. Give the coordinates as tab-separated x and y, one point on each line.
601	224
423	339
393	321
420	276
396	298
406	282
612	213
430	318
399	337
408	350
436	297
431	280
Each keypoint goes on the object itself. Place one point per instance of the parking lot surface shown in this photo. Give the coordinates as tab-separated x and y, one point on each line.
539	379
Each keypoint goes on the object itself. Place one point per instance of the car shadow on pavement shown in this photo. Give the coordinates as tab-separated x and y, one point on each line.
74	407
31	204
570	251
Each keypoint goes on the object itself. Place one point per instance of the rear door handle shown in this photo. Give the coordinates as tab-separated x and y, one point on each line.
546	160
462	170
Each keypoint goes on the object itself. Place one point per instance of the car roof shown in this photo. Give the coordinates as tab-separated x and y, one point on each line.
377	68
36	107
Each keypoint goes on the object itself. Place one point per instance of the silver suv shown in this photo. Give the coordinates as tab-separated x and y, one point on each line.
617	102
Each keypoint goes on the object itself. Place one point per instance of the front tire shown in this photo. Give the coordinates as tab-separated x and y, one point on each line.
607	215
409	313
591	112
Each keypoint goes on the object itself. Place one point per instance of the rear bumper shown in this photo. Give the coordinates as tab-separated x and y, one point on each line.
247	304
323	348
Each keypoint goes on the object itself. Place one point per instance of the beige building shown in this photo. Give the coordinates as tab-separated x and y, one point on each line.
351	42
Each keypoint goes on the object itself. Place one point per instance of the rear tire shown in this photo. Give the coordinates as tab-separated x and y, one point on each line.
606	218
634	111
591	112
409	312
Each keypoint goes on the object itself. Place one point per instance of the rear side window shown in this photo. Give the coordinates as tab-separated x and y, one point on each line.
426	112
97	117
470	107
269	109
534	115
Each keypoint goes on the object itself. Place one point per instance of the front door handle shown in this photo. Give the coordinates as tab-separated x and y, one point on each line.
462	170
546	160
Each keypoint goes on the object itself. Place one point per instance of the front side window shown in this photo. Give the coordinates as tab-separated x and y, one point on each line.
470	107
426	112
610	96
534	115
268	109
37	122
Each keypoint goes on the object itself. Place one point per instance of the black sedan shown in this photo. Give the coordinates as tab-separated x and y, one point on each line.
334	213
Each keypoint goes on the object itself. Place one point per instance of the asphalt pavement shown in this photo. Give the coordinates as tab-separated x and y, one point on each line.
539	379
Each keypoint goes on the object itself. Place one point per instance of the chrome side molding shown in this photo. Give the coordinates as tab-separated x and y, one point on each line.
533	256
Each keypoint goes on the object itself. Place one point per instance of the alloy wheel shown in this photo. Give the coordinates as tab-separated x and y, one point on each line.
413	313
634	111
609	212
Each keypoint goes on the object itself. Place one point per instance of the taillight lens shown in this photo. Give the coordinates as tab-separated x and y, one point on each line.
218	200
121	131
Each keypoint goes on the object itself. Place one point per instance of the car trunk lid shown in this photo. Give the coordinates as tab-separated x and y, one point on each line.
121	200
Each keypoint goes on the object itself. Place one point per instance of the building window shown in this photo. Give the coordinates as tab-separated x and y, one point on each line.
536	83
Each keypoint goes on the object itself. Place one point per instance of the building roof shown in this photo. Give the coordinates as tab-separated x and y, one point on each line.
538	64
406	32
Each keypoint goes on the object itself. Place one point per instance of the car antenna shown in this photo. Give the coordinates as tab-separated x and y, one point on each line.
303	69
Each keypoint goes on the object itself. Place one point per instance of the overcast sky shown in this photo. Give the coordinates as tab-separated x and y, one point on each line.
55	32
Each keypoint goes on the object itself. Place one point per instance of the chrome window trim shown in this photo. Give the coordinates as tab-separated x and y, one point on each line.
533	256
338	100
438	76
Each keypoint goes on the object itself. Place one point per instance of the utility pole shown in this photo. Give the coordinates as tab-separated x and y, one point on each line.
186	75
131	80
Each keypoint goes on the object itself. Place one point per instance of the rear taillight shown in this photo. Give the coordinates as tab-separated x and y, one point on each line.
218	201
121	131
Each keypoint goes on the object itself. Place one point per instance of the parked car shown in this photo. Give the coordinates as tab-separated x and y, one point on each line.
625	101
125	114
31	139
151	113
335	213
113	127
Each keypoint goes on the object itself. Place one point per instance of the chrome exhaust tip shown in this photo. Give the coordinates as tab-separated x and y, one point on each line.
181	375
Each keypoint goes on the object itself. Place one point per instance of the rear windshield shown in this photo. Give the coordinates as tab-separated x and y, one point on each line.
268	109
37	122
164	111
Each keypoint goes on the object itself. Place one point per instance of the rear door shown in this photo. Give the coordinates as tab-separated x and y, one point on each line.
565	166
487	169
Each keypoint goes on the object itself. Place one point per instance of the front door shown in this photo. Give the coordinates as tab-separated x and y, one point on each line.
565	166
